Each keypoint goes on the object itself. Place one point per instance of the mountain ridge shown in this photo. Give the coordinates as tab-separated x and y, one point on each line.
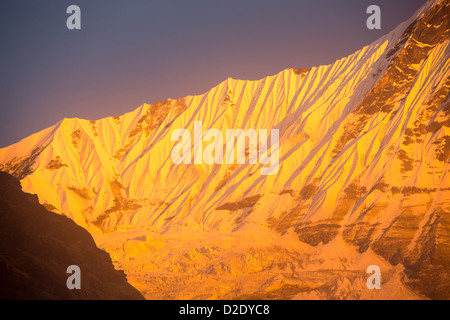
364	154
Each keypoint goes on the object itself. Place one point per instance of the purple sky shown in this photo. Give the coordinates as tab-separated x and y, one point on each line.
134	51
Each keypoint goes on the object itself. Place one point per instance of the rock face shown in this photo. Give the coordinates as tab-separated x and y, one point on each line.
37	247
364	165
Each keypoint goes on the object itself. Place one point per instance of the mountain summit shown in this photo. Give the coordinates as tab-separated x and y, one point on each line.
364	147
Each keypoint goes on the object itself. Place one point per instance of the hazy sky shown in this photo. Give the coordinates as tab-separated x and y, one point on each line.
133	51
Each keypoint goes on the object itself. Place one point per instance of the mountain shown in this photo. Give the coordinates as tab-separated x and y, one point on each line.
363	175
38	246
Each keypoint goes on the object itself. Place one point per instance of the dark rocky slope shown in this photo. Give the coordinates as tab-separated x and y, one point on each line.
37	246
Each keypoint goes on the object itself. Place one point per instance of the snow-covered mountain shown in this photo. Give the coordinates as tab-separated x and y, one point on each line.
364	147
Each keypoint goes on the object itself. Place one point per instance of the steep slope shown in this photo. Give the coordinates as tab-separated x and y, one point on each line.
37	247
363	157
253	262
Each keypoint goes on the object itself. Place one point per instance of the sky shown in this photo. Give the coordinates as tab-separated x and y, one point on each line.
130	52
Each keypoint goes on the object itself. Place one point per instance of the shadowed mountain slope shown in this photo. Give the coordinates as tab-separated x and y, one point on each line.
37	246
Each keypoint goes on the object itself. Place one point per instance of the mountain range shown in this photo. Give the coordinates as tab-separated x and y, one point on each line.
363	179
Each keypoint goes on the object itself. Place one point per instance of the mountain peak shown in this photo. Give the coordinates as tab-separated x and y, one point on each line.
363	159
